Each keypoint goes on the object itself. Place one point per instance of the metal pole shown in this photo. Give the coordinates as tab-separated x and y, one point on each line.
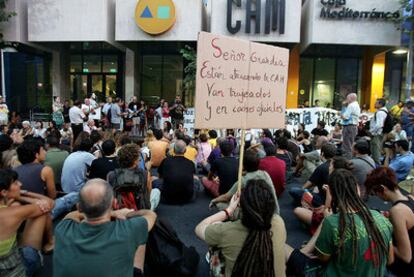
409	71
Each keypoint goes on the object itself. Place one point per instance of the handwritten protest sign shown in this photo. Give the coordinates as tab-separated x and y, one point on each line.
240	84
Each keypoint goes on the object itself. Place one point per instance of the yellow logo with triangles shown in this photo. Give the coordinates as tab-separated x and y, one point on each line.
155	16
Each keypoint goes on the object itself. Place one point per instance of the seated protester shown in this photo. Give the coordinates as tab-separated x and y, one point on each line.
96	138
304	142
266	137
158	148
190	152
399	133
215	153
115	240
254	245
131	182
293	147
335	136
109	162
399	159
212	134
282	153
76	167
313	216
320	130
383	183
223	173
318	178
34	176
363	164
308	162
21	255
9	159
204	150
353	241
275	167
176	177
55	157
251	164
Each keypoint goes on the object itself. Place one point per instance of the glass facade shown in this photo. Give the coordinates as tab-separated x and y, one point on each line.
394	79
95	68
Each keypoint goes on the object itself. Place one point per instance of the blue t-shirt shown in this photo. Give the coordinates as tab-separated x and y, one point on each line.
106	249
74	170
115	118
402	165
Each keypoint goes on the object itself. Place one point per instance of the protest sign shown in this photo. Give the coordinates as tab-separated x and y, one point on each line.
189	121
240	84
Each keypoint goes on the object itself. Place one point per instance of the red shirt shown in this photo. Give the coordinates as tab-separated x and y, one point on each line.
276	168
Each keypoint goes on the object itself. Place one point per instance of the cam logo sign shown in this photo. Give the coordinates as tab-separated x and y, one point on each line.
155	16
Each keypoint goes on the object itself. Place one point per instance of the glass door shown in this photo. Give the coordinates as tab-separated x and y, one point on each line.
110	86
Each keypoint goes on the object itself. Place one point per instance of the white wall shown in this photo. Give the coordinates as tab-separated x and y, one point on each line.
188	22
292	23
15	29
317	30
70	20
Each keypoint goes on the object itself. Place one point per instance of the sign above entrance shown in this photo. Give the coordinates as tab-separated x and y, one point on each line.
155	16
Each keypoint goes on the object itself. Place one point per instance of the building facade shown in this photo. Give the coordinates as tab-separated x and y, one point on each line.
133	47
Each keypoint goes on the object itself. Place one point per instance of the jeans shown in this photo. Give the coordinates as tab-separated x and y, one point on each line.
65	204
376	146
296	193
32	259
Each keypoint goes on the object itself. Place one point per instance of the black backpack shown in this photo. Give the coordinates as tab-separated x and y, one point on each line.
109	114
166	255
388	123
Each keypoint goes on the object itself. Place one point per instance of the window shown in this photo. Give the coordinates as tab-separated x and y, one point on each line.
110	64
324	83
92	63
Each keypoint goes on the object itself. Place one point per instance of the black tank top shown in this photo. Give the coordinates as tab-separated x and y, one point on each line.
408	269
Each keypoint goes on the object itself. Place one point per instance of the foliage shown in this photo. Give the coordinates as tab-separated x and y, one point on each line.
190	55
5	15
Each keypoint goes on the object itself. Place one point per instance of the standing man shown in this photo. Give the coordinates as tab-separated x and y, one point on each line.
351	118
77	117
177	112
376	129
116	115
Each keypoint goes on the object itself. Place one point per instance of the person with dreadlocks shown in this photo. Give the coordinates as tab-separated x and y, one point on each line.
353	241
254	245
383	183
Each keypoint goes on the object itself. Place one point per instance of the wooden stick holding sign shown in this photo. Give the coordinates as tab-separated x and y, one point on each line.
242	143
240	85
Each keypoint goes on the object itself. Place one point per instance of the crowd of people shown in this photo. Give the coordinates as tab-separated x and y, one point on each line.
100	183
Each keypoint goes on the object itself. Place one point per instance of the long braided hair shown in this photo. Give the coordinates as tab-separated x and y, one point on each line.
345	199
257	206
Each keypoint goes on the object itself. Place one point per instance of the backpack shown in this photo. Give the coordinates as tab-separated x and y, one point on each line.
166	255
130	188
388	123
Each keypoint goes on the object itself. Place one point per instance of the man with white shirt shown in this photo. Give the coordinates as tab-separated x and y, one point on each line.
77	117
351	120
376	129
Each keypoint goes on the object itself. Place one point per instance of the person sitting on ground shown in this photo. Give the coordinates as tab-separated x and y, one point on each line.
313	216
275	167
399	159
55	159
318	178
134	179
177	181
223	172
353	241
212	134
307	162
363	164
251	164
39	131
97	139
254	245
90	126
282	153
304	142
158	149
204	150
34	176
20	255
320	130
27	130
76	167
115	236
215	153
335	136
293	146
399	133
382	182
109	162
9	159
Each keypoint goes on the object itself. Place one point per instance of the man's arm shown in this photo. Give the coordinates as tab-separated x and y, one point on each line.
402	239
48	176
308	185
149	216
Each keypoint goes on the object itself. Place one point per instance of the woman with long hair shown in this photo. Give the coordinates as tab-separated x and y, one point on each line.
382	182
352	241
254	245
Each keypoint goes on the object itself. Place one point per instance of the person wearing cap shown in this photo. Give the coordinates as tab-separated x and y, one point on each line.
363	163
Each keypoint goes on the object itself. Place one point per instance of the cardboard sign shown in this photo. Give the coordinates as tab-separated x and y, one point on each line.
240	84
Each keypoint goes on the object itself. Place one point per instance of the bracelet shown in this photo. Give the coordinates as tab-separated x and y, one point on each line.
227	213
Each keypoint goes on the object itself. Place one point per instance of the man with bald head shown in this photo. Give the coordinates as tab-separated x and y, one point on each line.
176	177
97	241
350	119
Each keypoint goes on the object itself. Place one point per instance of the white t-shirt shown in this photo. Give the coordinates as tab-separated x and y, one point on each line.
76	115
4	113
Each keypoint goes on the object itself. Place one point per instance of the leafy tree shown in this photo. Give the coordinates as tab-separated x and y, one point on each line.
5	15
190	55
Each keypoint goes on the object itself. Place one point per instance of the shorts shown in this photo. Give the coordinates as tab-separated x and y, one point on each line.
301	265
116	126
32	259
